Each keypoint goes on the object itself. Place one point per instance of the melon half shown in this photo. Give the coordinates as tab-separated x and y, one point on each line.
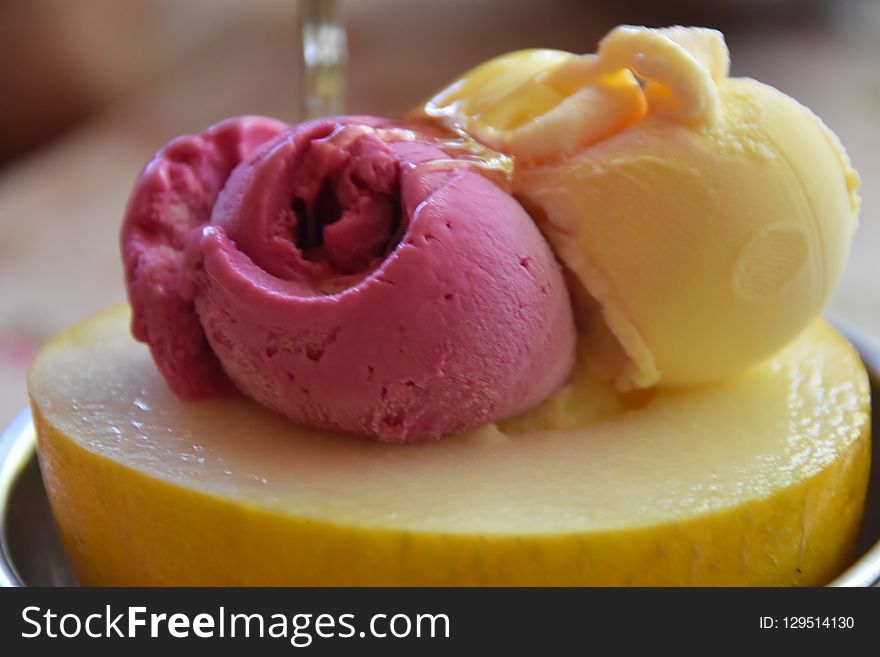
759	480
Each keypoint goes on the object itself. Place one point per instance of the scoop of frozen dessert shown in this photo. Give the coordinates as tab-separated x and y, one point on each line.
353	277
175	194
704	220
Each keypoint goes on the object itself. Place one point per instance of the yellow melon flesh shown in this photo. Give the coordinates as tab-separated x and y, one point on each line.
756	481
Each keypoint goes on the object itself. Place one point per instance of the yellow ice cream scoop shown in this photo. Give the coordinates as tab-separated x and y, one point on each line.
704	220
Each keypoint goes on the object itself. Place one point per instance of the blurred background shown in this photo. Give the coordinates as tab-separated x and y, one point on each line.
89	89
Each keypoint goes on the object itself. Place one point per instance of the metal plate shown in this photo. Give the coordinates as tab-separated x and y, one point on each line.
31	553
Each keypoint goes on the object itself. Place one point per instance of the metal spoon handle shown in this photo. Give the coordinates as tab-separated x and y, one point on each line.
325	54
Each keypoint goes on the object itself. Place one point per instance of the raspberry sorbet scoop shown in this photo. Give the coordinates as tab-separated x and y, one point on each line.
347	273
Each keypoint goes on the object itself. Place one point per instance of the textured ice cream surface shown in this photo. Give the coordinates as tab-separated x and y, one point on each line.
707	248
175	194
704	220
352	278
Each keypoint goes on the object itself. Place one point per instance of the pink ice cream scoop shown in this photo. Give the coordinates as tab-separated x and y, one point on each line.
347	274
